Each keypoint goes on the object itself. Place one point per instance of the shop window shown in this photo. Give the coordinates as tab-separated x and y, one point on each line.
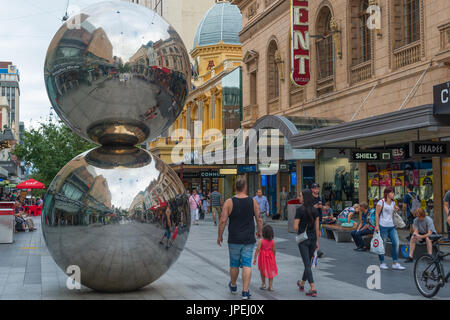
253	88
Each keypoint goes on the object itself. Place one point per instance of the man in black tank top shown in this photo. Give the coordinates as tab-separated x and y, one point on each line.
242	212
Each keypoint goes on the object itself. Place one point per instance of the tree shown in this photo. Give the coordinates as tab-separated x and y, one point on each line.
48	148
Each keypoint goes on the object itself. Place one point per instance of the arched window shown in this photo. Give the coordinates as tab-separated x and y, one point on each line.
360	41
324	46
273	82
324	52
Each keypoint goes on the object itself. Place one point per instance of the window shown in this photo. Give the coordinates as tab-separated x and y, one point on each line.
3	91
411	21
272	74
253	90
324	46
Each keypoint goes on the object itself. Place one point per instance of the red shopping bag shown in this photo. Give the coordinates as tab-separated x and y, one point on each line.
175	233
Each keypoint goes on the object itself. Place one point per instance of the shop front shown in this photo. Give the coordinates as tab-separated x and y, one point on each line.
394	149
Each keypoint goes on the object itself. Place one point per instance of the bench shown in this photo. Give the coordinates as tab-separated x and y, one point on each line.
338	233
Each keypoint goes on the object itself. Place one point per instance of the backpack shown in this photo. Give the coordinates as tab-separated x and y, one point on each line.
415	203
371	219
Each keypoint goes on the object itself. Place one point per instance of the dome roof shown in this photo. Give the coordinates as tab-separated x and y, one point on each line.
222	22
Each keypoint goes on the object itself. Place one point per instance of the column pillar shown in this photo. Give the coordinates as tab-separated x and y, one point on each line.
363	182
299	177
278	190
437	195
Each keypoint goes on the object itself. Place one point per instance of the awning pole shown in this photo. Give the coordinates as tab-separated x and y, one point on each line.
413	90
363	102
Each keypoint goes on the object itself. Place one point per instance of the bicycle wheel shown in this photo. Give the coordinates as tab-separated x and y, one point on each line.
427	276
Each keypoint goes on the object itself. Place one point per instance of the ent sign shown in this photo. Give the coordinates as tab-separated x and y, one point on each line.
299	42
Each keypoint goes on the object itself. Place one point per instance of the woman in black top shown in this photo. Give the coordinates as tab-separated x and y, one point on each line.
307	218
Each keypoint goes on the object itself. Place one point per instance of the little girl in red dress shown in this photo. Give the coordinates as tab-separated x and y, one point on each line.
265	252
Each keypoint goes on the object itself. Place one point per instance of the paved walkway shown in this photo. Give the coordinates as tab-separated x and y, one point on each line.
27	271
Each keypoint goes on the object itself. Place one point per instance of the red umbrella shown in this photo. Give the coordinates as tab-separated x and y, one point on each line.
30	184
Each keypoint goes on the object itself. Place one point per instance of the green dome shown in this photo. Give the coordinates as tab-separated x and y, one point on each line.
222	22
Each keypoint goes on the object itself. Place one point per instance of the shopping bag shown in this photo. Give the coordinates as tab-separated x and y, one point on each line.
398	221
314	260
175	233
376	245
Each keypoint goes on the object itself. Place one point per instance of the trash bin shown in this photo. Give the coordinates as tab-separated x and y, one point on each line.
6	222
291	208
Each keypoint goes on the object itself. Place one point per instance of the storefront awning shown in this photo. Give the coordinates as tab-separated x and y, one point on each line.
414	124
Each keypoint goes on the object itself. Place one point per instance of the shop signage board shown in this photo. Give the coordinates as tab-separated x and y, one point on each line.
430	149
228	171
441	98
300	73
371	156
203	174
247	169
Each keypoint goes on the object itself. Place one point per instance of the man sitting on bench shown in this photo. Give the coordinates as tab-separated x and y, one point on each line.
364	228
423	229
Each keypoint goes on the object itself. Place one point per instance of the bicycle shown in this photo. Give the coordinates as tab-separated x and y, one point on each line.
429	271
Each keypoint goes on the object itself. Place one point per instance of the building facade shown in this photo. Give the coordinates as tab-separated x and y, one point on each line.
358	76
183	16
213	105
9	85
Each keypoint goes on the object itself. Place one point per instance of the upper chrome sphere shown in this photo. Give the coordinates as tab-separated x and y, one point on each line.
119	214
117	73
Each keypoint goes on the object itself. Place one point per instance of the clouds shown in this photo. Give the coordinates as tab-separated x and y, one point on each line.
25	34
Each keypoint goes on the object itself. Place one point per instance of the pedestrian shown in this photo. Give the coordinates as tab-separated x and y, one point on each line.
315	188
283	198
411	203
201	212
168	226
243	212
216	204
194	204
265	252
364	228
307	219
263	204
446	206
423	229
384	219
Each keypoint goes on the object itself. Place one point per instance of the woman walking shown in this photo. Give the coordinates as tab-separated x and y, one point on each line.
194	204
307	220
384	219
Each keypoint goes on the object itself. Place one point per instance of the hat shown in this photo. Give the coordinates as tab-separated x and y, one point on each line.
315	185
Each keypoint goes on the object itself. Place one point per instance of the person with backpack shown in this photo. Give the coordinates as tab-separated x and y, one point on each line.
384	219
411	203
446	206
364	227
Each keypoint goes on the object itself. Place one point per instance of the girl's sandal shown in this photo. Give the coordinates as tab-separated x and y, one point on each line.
312	293
263	287
300	287
270	289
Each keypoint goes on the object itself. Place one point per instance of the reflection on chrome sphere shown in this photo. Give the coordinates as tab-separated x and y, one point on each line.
117	73
107	214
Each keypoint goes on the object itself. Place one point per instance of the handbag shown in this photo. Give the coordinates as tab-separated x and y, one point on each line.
398	221
301	237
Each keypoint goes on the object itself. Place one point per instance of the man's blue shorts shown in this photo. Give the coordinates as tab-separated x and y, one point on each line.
241	255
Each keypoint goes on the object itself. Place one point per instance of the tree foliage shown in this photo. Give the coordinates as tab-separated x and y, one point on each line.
48	148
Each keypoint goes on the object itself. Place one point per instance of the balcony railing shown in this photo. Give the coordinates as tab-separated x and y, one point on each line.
251	112
325	85
361	72
407	55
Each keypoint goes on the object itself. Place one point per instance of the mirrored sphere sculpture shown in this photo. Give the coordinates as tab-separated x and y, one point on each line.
106	212
118	75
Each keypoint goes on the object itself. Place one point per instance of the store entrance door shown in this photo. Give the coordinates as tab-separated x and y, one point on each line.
308	175
272	193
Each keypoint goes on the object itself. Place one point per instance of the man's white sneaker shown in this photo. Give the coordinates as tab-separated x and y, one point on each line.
397	266
384	266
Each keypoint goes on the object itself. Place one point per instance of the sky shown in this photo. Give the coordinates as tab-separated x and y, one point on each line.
26	29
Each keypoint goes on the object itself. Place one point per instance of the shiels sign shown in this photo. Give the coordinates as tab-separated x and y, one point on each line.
300	74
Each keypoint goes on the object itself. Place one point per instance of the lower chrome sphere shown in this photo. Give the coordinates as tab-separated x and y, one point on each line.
119	214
